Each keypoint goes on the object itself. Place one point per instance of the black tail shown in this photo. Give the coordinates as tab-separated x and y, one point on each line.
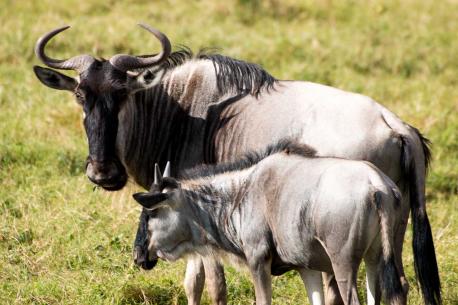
423	246
425	145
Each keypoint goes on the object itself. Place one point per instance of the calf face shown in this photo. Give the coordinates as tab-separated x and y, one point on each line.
164	231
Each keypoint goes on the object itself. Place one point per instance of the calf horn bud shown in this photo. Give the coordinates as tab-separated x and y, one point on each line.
167	170
157	174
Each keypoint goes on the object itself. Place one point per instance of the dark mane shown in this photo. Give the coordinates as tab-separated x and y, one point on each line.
231	74
249	159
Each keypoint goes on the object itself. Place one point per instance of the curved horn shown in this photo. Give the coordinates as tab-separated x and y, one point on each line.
78	63
125	62
167	170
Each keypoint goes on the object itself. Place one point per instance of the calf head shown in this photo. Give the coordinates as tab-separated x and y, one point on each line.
164	230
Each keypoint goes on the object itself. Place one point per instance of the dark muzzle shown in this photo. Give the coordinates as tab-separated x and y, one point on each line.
142	260
110	174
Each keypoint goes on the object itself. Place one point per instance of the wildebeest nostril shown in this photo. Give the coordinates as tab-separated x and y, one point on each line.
139	257
136	254
109	174
107	170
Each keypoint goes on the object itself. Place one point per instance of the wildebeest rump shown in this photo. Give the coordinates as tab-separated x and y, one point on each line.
212	108
282	209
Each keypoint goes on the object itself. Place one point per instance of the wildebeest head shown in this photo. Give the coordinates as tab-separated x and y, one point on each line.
102	89
163	231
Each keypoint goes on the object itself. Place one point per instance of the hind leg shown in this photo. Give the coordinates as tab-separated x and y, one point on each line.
372	259
346	274
313	284
372	282
345	262
332	294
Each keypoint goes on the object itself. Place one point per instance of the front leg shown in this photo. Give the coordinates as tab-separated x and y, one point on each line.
313	283
216	282
260	272
194	280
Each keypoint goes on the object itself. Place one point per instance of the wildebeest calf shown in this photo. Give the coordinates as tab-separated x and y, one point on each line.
279	210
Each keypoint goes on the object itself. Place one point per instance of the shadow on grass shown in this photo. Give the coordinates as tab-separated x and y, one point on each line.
157	294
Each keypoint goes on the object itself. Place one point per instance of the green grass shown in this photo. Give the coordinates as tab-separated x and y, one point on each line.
61	242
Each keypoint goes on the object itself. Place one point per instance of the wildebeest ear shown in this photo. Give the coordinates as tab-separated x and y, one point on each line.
54	79
149	200
144	80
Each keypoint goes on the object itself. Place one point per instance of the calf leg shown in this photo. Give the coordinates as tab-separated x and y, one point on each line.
194	280
372	282
313	284
332	294
345	262
260	272
216	282
346	280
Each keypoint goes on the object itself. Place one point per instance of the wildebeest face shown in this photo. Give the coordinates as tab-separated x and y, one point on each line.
164	230
102	91
168	233
104	86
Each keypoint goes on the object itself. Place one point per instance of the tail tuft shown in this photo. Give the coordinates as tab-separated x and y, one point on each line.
425	259
391	283
389	277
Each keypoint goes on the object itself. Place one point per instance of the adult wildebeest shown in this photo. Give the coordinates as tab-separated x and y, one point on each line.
283	209
212	108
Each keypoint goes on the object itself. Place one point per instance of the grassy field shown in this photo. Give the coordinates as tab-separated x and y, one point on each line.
61	242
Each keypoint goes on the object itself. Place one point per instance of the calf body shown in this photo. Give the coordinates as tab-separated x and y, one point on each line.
285	211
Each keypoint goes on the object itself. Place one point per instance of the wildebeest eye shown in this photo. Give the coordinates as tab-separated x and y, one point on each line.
79	97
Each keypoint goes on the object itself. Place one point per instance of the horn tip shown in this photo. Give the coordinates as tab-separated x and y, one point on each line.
62	28
167	169
148	28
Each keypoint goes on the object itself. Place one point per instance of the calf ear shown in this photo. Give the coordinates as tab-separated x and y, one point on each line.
55	79
151	201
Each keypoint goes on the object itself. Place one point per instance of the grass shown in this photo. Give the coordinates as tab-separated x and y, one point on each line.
61	242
